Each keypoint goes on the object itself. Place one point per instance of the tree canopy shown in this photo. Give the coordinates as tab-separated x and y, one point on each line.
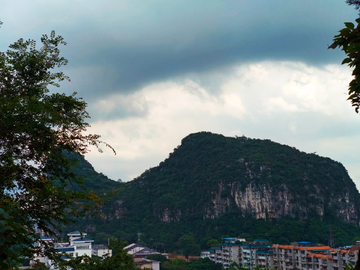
355	3
348	40
36	127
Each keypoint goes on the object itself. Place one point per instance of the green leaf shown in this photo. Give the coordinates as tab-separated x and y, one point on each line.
346	60
349	25
4	214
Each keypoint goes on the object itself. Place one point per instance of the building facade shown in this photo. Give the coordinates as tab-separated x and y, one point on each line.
298	256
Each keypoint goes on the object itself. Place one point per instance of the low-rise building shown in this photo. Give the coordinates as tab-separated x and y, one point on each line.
140	253
101	251
205	254
78	245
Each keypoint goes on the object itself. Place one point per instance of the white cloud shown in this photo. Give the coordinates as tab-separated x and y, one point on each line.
279	104
289	103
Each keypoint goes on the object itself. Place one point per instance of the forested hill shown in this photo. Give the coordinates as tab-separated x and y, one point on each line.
209	174
93	180
212	185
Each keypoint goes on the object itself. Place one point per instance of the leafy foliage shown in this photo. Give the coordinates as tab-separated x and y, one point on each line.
349	41
235	266
200	264
188	245
355	3
36	127
92	180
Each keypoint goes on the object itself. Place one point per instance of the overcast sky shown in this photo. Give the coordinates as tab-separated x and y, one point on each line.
153	72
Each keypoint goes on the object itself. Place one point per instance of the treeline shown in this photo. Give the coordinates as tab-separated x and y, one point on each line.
179	264
190	238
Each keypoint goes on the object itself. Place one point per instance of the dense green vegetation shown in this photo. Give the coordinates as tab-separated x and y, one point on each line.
174	201
192	264
93	181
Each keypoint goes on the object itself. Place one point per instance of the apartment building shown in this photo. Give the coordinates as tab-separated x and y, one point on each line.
313	257
299	256
255	254
250	255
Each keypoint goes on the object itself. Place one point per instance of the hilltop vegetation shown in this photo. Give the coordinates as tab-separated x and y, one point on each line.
93	180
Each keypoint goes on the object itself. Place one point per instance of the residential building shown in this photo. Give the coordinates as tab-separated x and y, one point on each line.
101	251
313	257
81	244
255	254
234	249
140	253
230	250
78	245
205	254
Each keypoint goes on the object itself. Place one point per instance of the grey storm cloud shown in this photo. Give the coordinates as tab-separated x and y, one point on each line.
121	46
166	39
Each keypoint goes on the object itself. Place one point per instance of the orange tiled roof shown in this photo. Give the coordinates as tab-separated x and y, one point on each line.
318	248
274	246
344	251
285	247
322	256
354	249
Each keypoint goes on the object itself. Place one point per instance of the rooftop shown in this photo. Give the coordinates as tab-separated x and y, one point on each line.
46	238
99	247
83	239
261	240
76	233
139	250
69	249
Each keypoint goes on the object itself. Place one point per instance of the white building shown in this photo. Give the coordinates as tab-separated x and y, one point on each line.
81	244
78	245
101	251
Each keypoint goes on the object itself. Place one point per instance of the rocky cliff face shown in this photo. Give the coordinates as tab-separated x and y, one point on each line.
266	203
